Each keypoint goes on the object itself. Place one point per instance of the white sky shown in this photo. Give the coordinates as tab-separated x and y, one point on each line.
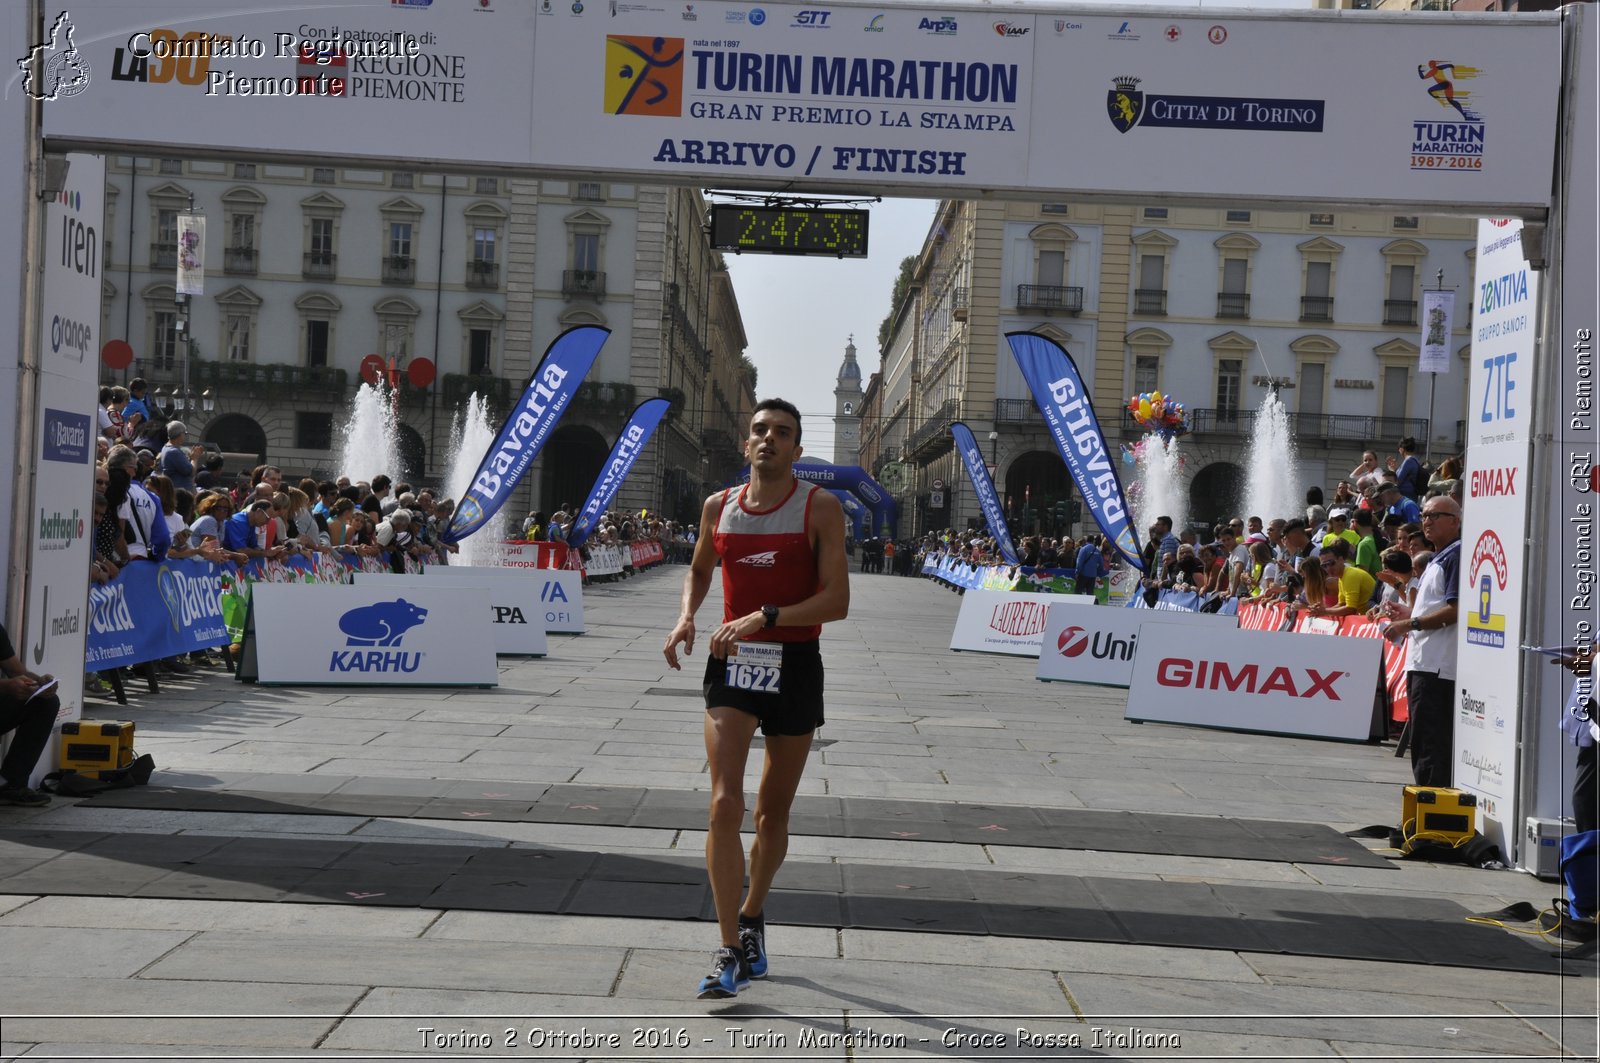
799	312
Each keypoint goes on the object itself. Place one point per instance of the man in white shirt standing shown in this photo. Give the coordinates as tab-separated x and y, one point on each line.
1431	656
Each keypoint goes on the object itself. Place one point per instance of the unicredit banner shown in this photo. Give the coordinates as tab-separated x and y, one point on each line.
1454	112
1053	378
566	362
630	444
972	458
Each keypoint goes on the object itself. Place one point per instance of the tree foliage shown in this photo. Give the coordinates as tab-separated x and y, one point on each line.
902	285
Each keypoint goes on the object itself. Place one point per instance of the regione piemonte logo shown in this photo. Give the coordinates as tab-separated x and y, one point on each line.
55	69
644	75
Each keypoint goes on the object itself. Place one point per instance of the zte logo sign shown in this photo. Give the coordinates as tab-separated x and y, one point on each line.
1247	678
767	559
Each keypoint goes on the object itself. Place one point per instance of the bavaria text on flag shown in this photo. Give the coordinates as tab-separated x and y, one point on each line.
1057	387
967	447
549	392
630	444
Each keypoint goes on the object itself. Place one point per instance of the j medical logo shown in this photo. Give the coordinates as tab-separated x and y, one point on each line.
66	437
1128	107
644	75
1485	627
1453	142
55	70
382	624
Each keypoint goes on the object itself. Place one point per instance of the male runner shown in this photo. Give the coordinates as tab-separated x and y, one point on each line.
784	575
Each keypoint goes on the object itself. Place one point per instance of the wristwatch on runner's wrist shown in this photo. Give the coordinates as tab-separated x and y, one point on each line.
771	613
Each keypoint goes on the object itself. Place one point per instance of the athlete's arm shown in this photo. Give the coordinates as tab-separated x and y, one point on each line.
832	600
697	582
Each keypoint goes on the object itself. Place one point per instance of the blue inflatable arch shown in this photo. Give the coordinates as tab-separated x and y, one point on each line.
854	482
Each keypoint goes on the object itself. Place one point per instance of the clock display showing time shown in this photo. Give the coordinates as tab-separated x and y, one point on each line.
789	230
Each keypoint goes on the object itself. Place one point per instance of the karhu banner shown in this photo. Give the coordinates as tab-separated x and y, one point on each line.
972	457
549	392
630	444
1058	389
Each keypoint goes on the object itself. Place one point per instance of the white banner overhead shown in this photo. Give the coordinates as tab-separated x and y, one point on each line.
1445	113
1006	621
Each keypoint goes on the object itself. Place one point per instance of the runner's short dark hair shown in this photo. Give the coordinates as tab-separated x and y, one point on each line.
784	406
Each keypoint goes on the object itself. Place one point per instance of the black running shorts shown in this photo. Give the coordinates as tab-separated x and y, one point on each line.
797	707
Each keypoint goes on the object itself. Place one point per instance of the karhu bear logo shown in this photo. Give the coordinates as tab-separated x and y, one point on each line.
55	69
382	623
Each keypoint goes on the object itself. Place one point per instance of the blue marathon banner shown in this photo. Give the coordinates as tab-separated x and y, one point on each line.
566	362
1058	389
154	610
630	444
972	457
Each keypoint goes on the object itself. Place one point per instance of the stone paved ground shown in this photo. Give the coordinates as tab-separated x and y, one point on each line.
105	977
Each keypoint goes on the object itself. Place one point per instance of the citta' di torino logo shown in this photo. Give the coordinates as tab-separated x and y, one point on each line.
55	69
1128	107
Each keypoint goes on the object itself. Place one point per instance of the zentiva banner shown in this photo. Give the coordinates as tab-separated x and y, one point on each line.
972	457
565	363
630	444
1053	378
151	611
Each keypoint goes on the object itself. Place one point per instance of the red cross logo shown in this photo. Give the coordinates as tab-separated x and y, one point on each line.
1173	33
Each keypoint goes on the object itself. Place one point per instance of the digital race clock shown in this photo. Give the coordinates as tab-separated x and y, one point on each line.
789	230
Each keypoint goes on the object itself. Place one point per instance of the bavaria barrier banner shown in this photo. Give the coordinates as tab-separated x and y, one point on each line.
515	613
1058	390
630	444
1088	644
1274	683
370	635
154	610
972	458
1006	621
550	389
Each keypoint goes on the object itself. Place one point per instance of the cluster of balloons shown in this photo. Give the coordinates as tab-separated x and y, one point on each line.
1159	413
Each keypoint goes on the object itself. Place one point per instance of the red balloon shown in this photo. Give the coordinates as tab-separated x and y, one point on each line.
118	354
420	372
372	369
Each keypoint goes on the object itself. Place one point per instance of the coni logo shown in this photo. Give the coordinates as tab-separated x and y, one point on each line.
381	623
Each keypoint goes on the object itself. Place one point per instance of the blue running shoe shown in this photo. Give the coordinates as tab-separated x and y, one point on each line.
729	974
753	940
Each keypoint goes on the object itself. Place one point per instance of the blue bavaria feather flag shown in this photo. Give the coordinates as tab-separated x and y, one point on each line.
630	444
566	362
1057	387
972	457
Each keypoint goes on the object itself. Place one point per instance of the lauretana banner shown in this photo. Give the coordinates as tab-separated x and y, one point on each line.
1058	389
630	444
549	392
154	610
972	458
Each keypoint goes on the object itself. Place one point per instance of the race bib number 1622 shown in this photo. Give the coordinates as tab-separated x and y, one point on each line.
755	666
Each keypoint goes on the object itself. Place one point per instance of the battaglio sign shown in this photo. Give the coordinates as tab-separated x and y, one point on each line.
1456	112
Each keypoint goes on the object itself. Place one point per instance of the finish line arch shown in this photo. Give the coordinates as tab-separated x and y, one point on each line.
1411	112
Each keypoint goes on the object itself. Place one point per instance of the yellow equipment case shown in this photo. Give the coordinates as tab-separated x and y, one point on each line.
90	747
1440	814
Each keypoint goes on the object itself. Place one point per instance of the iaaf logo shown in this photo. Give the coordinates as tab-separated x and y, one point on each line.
1247	678
765	559
1011	29
1102	646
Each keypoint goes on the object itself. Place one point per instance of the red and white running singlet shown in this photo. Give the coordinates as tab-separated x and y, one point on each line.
767	558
